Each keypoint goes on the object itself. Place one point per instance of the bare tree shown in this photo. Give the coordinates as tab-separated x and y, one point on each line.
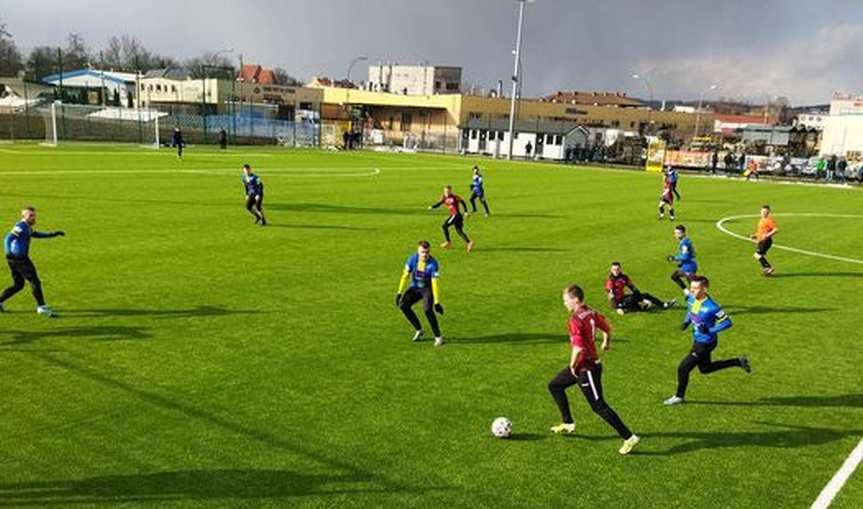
195	65
75	55
10	57
126	52
41	62
283	78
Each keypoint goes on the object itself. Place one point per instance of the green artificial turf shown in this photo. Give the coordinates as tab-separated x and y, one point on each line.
200	360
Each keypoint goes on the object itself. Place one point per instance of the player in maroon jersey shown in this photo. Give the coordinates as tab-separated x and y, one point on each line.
585	369
667	198
454	203
616	286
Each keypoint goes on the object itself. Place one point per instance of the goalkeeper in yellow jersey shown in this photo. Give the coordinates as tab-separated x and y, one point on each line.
420	279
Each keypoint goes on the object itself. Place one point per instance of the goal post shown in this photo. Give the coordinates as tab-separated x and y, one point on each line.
49	117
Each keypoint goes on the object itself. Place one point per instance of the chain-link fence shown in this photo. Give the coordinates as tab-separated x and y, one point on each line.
72	122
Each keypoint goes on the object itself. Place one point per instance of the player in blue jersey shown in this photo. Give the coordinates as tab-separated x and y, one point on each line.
420	278
17	247
478	191
254	194
685	259
707	320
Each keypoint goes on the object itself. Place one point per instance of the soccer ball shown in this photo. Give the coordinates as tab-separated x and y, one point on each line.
501	427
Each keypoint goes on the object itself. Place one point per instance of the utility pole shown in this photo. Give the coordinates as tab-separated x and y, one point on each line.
515	76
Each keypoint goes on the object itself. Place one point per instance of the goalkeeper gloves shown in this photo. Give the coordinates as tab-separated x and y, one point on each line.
670	258
439	309
703	328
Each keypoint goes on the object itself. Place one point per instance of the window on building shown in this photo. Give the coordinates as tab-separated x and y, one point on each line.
437	85
158	88
500	136
631	125
407	119
173	88
474	116
558	139
615	123
143	87
473	134
452	86
549	139
390	123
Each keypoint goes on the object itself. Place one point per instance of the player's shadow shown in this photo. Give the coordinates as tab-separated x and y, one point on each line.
196	486
340	209
763	310
197	311
526	437
197	483
512	338
520	338
818	274
520	249
314	226
842	400
526	215
790	437
92	333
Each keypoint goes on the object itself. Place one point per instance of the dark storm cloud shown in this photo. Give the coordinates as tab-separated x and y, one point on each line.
804	50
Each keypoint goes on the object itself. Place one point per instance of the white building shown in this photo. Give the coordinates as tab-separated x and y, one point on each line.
547	140
414	79
811	120
117	87
843	128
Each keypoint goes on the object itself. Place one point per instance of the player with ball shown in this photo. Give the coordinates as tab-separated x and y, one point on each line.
585	369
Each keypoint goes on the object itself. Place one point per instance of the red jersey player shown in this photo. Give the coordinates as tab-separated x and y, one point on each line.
667	198
454	203
585	369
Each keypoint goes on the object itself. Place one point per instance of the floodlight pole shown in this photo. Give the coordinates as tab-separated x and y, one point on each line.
515	77
698	111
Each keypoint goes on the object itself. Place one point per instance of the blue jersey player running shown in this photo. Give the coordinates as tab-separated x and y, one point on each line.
685	259
17	247
707	320
478	191
420	277
254	194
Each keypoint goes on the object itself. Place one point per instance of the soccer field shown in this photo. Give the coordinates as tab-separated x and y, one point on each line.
201	360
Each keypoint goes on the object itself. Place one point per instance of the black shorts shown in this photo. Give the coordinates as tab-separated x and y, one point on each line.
252	200
764	246
702	351
22	269
456	220
415	294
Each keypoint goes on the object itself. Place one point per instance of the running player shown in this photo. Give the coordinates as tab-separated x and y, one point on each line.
421	271
477	191
666	199
585	369
454	203
616	286
685	259
17	246
764	236
254	194
707	320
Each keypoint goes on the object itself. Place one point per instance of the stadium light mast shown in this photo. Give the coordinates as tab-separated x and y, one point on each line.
651	92
515	75
698	111
351	65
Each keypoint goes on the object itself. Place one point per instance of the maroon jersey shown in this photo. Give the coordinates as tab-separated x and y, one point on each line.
452	202
667	195
582	329
617	285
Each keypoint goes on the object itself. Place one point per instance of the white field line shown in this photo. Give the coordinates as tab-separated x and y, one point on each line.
288	172
723	229
825	498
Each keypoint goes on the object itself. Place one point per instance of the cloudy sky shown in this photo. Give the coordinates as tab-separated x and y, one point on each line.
752	49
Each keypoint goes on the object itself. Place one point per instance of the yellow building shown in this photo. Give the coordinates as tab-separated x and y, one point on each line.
431	116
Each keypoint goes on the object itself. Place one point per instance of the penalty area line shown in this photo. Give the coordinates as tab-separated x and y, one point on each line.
825	498
721	226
